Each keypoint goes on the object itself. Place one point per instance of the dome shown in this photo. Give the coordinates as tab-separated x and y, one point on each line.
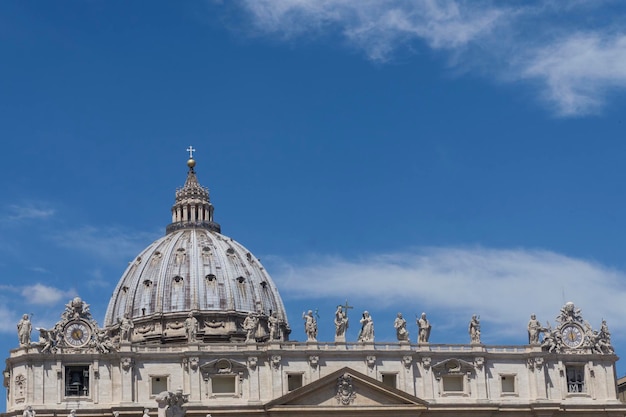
194	271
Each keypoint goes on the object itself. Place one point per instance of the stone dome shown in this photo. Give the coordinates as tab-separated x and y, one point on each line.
196	271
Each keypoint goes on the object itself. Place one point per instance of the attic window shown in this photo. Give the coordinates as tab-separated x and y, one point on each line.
147	283
294	381
264	284
249	256
240	280
210	277
178	279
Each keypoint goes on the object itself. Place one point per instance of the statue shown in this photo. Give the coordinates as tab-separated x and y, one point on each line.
341	324
102	342
367	328
424	329
534	329
126	328
145	412
191	327
72	413
400	325
310	326
274	324
28	412
474	329
250	325
24	327
48	339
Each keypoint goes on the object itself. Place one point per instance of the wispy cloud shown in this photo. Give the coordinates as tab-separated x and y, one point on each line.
110	244
28	211
503	286
573	52
40	294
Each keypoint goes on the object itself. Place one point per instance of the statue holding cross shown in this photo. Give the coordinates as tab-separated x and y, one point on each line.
341	322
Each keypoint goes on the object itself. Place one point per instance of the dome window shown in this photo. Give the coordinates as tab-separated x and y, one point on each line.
210	277
178	279
241	280
147	283
124	289
230	251
264	284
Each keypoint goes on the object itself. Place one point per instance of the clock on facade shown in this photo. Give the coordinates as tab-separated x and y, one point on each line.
572	335
77	333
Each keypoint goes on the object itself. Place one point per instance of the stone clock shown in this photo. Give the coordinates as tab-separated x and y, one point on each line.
77	333
572	335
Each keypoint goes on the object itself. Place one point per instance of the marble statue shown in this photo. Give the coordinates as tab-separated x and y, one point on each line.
146	412
250	325
341	324
102	342
126	328
274	325
367	328
474	329
310	326
28	412
24	327
400	325
191	327
534	329
424	329
72	413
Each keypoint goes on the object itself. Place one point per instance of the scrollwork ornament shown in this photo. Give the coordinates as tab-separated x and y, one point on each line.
345	390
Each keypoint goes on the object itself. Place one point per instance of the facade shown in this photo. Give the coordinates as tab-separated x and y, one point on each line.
197	327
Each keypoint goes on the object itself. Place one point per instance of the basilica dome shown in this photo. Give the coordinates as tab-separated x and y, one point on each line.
195	271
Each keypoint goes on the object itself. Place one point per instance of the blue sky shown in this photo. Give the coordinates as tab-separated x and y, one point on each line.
452	157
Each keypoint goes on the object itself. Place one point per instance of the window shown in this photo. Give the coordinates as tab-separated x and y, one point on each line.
389	380
223	384
453	383
294	381
76	381
575	378
158	384
508	384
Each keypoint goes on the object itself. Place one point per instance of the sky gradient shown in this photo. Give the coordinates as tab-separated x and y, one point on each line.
452	157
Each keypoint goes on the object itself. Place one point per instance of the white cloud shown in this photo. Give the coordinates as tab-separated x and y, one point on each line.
28	211
40	294
503	286
110	244
569	50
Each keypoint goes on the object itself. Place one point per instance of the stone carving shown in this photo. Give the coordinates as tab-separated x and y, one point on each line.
126	328
426	361
341	322
24	327
366	334
193	362
407	360
310	326
175	325
20	387
102	341
479	362
575	335
126	363
191	327
345	390
214	324
48	339
424	329
170	404
371	360
250	325
76	309
275	359
145	328
534	329
29	412
273	323
314	360
400	325
146	412
252	362
72	413
474	329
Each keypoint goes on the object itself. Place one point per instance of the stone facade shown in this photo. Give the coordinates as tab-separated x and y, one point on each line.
196	327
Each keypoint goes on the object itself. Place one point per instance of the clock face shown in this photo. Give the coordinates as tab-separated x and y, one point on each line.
572	336
77	334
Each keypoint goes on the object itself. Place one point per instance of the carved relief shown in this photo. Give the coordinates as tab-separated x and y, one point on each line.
371	360
426	362
314	361
345	390
276	361
407	361
252	362
20	388
126	363
479	362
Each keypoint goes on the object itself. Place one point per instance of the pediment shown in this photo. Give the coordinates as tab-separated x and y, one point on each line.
347	388
453	366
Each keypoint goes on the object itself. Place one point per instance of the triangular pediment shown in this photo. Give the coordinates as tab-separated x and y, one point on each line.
346	388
